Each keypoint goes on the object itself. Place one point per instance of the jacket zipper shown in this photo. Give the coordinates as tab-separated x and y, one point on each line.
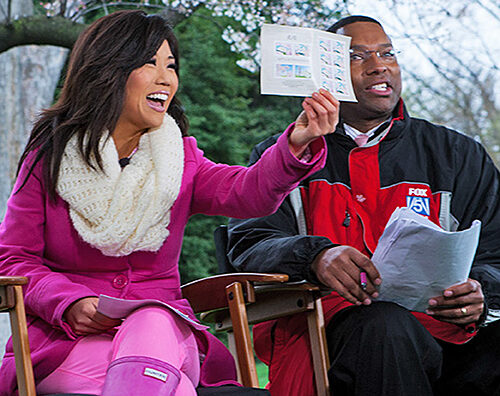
347	219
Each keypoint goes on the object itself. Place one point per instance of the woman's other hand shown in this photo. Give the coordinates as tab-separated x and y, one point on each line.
320	117
83	318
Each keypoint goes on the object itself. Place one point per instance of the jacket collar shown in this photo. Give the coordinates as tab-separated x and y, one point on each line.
400	121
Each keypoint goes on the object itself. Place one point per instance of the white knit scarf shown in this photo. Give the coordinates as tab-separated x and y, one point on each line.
125	210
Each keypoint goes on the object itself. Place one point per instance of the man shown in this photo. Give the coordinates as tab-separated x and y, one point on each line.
380	348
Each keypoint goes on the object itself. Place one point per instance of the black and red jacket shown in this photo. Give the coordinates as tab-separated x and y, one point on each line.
438	172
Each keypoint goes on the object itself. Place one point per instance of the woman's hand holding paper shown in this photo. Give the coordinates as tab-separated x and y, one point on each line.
83	318
320	117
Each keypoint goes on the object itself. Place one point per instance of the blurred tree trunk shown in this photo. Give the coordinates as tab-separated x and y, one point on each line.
39	30
28	77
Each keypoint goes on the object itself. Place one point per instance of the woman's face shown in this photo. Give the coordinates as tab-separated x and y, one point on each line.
148	92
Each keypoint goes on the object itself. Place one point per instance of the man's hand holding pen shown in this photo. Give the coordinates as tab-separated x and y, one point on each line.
341	267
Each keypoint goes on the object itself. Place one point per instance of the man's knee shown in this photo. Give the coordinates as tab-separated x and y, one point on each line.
381	348
384	324
385	318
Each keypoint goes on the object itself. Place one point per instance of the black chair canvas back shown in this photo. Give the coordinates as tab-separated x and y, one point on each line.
220	239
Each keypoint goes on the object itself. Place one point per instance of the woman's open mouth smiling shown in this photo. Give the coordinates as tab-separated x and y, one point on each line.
157	101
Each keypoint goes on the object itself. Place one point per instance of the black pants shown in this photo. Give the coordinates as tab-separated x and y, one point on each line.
231	390
472	368
382	350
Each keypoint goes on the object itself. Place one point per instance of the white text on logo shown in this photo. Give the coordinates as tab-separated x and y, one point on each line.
419	192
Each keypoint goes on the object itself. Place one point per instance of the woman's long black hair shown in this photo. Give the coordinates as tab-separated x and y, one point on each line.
92	97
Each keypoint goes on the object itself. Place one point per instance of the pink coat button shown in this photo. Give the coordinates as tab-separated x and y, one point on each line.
120	281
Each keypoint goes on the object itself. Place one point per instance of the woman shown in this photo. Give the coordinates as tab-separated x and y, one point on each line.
105	187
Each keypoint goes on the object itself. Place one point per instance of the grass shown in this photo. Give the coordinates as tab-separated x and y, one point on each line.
262	370
262	373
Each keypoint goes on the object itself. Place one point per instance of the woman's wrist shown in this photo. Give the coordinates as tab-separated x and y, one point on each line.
298	148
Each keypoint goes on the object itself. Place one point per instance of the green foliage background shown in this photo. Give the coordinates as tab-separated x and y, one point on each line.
227	116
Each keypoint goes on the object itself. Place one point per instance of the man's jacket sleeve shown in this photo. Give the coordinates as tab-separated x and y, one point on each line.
478	197
273	243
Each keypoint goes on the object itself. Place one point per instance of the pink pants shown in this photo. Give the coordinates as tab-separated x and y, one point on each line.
151	331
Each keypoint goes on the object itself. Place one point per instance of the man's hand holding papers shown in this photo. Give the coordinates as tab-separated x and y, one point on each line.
459	304
425	268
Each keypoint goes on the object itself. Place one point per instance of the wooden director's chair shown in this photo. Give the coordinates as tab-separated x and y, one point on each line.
234	301
231	301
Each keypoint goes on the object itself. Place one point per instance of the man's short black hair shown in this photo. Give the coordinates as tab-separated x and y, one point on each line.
351	19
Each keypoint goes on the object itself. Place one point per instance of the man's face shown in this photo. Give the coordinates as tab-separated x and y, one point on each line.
376	80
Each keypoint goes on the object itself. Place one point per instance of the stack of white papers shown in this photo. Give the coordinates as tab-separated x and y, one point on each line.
298	61
119	308
418	260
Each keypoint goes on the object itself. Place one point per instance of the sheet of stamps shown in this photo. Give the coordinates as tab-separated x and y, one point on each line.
298	61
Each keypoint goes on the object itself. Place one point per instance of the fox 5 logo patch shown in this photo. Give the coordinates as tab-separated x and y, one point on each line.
419	205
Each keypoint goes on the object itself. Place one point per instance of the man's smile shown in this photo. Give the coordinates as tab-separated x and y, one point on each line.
380	88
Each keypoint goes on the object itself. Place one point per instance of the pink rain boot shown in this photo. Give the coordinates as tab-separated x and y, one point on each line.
140	375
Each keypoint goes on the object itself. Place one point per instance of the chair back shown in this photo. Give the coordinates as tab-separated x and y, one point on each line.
220	239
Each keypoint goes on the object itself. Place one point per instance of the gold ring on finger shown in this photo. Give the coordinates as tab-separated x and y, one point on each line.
464	310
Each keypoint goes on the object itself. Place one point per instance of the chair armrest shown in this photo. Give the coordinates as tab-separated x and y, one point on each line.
13	280
7	295
210	293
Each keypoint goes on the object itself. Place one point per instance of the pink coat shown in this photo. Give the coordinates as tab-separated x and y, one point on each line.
37	240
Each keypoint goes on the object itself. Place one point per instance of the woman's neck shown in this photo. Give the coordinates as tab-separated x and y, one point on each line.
125	149
126	143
